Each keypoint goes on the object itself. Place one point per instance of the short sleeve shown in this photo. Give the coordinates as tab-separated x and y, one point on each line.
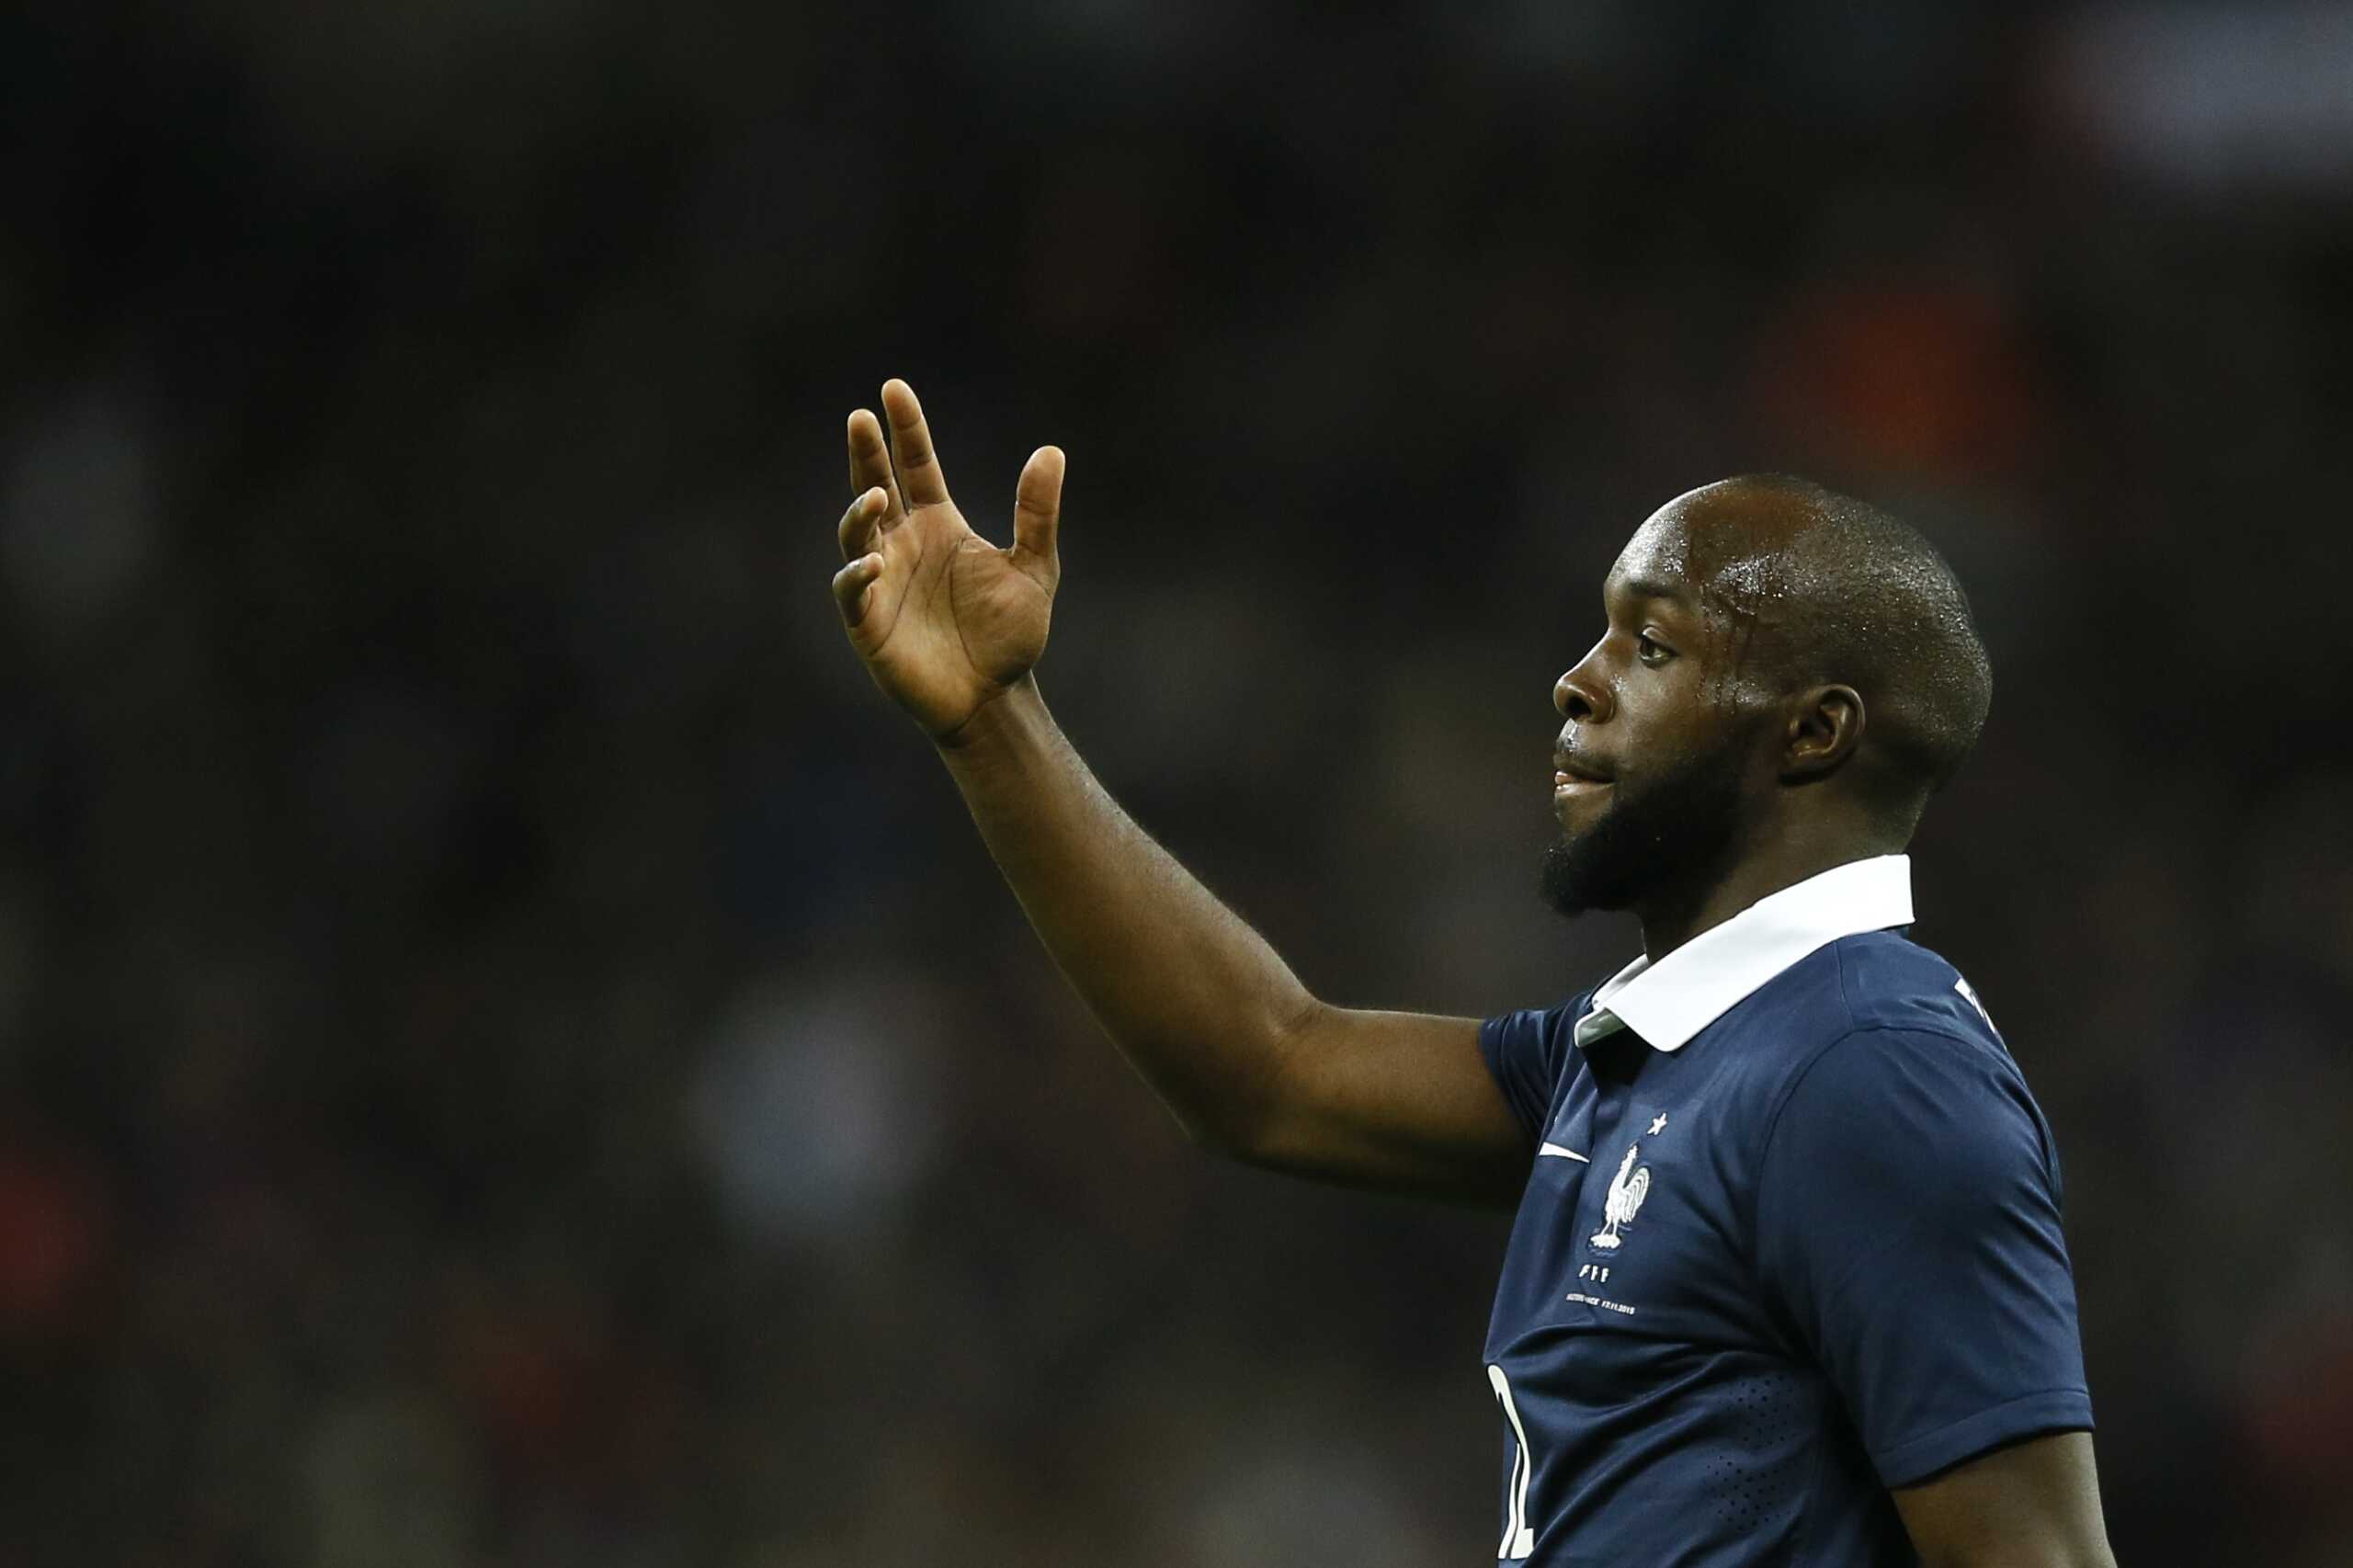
1908	1226
1525	1051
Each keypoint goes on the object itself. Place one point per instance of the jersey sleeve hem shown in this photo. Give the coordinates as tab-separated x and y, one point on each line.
1490	1045
2054	1410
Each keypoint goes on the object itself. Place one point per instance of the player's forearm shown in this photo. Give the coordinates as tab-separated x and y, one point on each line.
1197	1000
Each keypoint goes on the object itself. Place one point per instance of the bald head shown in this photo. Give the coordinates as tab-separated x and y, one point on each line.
1820	588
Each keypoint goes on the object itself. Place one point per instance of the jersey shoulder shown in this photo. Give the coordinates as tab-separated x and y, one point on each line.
1871	981
1875	985
1914	1034
1887	981
1531	1054
1555	1025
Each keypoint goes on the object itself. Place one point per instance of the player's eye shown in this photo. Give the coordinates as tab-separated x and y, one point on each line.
1650	653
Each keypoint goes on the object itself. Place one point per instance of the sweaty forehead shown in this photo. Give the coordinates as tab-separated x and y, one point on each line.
1727	544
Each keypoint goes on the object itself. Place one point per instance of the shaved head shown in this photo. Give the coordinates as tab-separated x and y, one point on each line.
1821	588
1786	677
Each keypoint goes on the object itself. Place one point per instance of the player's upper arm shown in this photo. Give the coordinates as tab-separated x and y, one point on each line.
1401	1102
2034	1505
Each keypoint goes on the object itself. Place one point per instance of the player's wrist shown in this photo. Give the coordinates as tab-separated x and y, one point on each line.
1004	717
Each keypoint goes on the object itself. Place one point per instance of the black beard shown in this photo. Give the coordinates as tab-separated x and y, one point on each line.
1655	834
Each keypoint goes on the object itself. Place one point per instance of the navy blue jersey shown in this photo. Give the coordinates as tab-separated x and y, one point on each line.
1792	1241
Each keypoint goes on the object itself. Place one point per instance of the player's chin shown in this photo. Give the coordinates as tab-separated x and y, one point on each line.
1580	874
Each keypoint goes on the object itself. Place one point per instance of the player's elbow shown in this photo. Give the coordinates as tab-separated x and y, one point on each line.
1216	1124
1214	1133
1238	1115
1241	1131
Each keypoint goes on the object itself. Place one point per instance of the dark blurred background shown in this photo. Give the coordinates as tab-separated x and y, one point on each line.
513	1054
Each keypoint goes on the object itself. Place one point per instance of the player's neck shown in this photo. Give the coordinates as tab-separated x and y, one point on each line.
1674	916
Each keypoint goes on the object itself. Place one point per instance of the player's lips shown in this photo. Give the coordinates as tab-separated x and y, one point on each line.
1572	775
1569	786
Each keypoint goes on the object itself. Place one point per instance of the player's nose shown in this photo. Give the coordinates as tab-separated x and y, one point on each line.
1580	697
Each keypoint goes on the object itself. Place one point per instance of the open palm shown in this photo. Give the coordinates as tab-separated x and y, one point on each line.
945	620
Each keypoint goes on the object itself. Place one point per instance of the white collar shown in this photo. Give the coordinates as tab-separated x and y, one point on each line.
1669	1002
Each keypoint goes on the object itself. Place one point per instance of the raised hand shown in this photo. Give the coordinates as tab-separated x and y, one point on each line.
946	621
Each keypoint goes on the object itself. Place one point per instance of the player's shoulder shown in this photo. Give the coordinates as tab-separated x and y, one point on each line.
1918	1069
1552	1026
1872	980
1896	1019
1888	982
1868	1001
1531	1053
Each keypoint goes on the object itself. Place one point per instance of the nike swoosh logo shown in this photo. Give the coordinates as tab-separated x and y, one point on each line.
1564	1153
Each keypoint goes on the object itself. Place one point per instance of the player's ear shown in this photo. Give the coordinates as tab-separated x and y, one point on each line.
1826	726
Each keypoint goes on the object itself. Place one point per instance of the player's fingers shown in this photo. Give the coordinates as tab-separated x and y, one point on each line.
851	584
920	480
1037	509
865	515
870	463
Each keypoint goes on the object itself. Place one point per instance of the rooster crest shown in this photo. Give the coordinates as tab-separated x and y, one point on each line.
1626	1190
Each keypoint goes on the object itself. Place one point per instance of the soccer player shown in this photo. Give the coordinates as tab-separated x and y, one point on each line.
1787	1283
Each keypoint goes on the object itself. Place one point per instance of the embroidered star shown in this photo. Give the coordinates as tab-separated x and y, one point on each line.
1658	1126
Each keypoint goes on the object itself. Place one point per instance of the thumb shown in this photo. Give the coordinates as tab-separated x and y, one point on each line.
1037	512
851	584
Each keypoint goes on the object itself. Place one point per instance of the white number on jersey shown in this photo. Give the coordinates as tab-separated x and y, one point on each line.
1519	1539
1969	994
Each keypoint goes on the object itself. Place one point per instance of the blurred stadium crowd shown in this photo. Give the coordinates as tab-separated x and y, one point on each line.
513	1054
